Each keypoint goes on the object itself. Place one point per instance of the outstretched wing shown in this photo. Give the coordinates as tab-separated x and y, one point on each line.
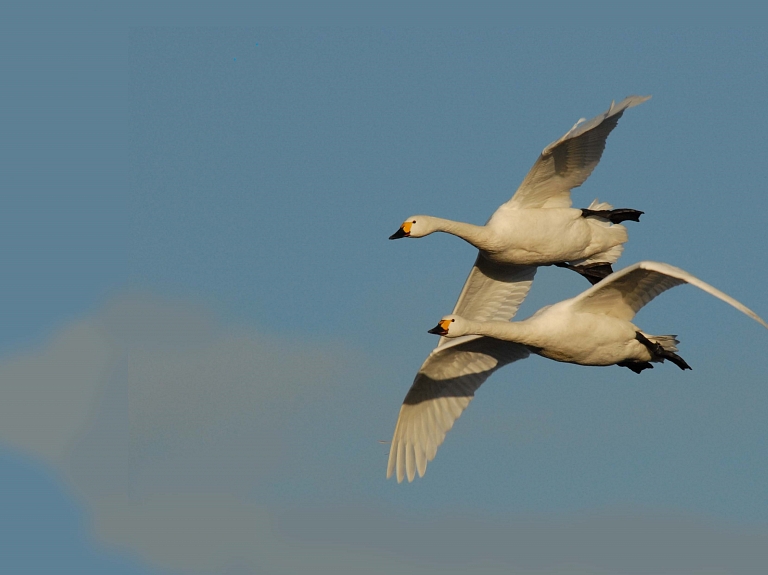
493	292
456	368
623	293
442	389
568	162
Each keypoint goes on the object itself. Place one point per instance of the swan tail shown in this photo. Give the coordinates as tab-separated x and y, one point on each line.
598	206
667	342
616	234
609	256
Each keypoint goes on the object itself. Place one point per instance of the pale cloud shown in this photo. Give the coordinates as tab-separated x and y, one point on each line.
207	533
151	400
197	532
191	404
47	397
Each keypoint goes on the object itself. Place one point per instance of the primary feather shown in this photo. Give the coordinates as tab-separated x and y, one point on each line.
567	163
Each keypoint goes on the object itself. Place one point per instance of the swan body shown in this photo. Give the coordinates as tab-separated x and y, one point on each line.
593	328
557	333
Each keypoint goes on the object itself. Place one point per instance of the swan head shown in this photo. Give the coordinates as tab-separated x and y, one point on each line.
413	227
450	326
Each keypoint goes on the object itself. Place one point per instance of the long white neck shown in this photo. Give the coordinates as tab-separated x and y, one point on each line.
478	236
516	331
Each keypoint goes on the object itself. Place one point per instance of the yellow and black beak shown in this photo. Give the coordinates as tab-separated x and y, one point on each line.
441	328
403	232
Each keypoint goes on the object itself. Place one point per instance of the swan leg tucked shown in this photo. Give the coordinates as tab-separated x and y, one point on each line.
636	366
614	216
593	272
657	350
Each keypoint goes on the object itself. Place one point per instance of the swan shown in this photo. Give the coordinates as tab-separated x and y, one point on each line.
538	226
593	328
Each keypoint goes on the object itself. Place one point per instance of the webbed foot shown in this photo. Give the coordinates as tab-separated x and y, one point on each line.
677	360
657	350
636	366
593	272
614	216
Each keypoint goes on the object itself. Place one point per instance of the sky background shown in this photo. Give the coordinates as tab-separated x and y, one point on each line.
206	334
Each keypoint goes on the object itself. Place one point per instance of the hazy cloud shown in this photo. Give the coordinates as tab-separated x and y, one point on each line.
48	396
150	400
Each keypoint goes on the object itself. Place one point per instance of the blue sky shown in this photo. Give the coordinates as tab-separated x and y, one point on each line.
207	332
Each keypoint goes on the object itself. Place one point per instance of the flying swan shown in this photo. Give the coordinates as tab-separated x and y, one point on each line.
538	226
593	328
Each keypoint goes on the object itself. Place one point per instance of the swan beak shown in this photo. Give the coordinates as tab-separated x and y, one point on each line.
403	232
441	328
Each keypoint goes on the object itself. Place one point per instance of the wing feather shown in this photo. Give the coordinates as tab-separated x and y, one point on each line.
442	389
456	368
624	293
569	161
493	292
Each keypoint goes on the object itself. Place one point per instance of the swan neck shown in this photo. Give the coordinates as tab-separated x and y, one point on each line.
517	331
475	235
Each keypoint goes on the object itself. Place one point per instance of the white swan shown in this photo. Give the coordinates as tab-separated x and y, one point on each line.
593	328
538	226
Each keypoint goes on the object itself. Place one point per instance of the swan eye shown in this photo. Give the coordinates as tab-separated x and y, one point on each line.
413	222
453	320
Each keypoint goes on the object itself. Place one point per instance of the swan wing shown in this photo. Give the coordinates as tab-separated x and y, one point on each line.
568	162
442	389
493	292
624	293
